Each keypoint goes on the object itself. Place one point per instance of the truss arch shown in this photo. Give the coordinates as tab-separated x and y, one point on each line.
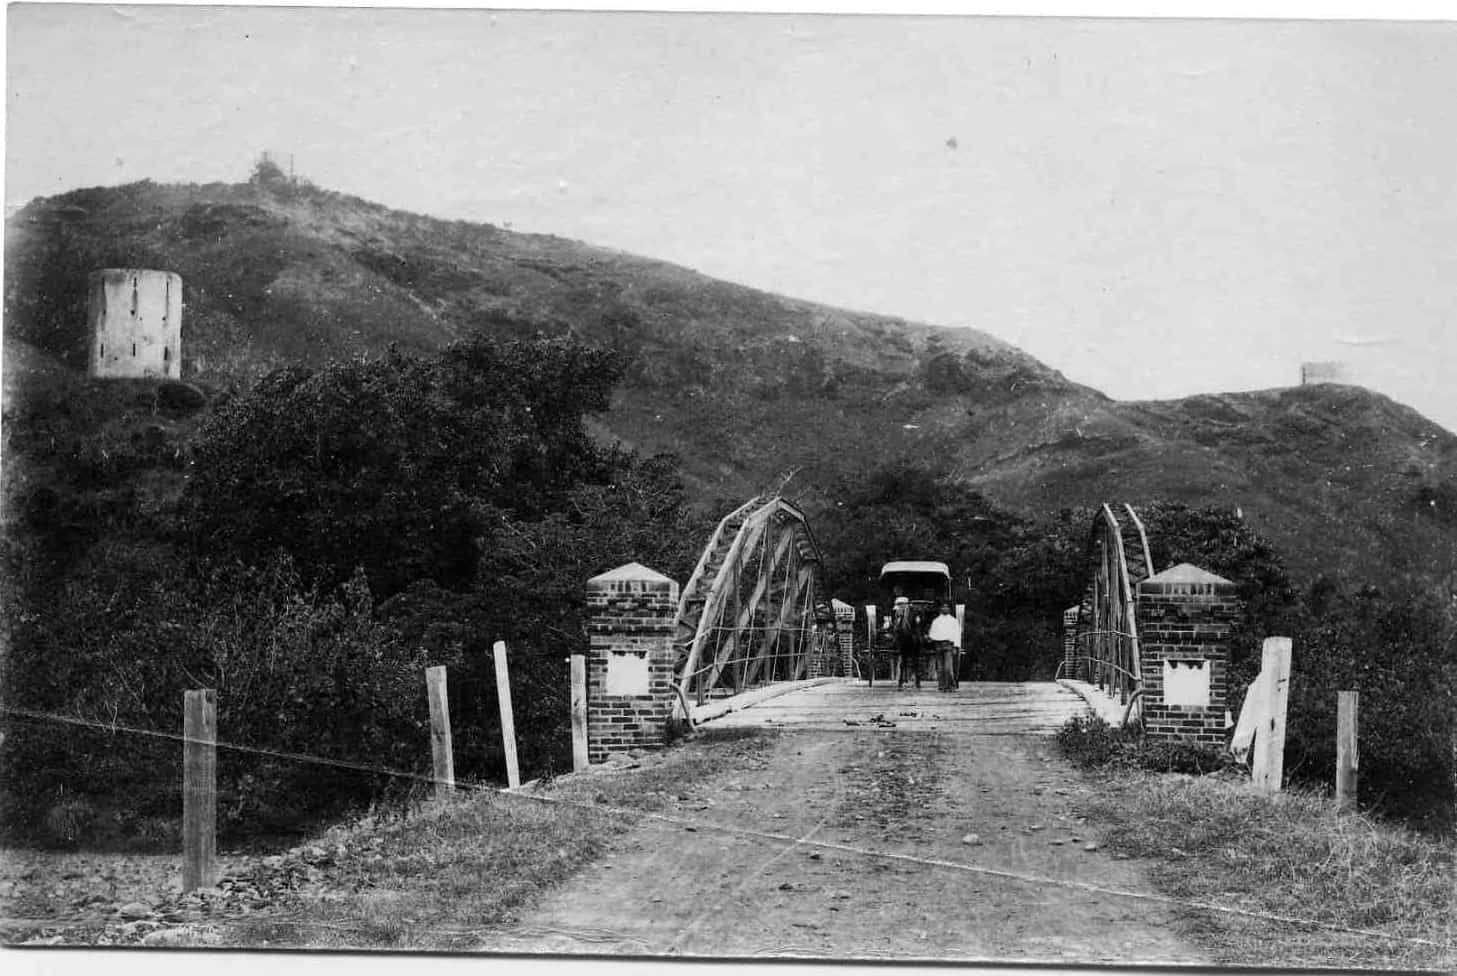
746	615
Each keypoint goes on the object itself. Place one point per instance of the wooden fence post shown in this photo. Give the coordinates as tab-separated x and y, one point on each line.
870	629
440	746
579	712
1268	766
508	724
960	641
199	788
1346	754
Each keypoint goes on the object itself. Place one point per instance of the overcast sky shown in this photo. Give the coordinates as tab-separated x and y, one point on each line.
1156	208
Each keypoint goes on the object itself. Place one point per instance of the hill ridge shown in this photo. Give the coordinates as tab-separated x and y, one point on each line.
740	382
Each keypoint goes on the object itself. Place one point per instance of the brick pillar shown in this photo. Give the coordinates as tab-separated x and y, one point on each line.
845	634
819	652
630	618
1072	667
1184	620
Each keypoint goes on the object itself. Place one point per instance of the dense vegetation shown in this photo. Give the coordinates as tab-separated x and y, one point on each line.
342	529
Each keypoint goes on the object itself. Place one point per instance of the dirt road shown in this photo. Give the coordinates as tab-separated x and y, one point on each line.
935	827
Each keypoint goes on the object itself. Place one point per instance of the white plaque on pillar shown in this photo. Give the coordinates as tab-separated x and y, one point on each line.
1186	683
627	674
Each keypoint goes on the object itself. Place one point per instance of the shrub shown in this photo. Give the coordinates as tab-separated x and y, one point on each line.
1090	742
296	672
1181	757
1399	651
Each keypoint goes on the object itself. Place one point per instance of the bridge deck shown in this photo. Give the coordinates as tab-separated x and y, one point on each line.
986	708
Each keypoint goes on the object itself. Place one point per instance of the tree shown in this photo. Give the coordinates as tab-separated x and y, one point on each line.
1219	541
1015	575
1399	650
405	466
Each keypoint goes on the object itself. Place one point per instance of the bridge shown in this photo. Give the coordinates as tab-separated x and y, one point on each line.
868	807
753	637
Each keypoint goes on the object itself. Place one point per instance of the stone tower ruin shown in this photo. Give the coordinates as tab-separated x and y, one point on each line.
136	323
1324	373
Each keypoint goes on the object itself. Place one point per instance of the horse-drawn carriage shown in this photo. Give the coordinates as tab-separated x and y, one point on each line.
899	621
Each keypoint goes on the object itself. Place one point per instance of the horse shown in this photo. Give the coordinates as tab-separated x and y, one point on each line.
907	631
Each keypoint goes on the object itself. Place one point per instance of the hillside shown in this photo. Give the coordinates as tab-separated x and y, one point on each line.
742	384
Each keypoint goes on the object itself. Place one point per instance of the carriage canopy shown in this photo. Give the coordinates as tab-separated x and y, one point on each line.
923	581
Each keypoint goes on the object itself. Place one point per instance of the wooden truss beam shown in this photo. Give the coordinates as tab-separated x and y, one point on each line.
728	573
725	652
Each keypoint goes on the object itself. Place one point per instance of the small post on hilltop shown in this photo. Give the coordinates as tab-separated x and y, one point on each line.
579	712
508	723
440	747
199	788
1346	755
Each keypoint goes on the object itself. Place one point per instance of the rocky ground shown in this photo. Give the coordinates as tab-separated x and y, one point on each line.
51	898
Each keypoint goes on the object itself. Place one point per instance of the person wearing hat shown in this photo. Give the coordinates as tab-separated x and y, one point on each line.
904	626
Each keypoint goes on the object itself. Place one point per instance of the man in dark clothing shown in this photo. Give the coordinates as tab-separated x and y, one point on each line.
907	631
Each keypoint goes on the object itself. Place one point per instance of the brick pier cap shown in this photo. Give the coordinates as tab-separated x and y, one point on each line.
632	577
1186	574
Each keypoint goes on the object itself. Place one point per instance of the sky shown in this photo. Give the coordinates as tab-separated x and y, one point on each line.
1155	208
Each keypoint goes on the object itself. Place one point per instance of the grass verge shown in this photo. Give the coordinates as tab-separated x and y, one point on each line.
435	879
1385	896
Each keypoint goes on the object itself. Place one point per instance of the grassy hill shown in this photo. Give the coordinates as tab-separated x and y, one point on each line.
744	385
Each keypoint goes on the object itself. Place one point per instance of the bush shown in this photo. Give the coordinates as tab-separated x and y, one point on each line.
1090	742
296	672
1399	651
1182	757
454	444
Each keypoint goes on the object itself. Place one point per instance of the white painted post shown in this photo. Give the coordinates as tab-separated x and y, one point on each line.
1346	755
1269	762
579	712
960	640
508	724
1250	714
870	622
440	746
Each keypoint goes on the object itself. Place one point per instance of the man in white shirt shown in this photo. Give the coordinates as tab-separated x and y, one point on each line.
945	635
